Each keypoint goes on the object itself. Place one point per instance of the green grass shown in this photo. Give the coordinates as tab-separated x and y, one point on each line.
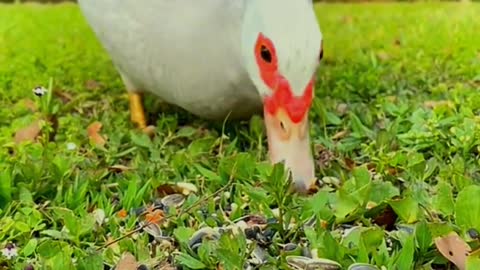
380	143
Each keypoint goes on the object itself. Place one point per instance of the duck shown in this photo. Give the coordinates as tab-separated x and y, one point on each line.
218	59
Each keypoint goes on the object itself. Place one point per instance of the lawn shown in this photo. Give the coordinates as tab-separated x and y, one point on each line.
394	127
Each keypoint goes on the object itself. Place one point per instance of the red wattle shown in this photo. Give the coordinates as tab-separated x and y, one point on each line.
282	97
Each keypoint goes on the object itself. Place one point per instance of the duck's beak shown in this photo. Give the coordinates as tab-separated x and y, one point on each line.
289	141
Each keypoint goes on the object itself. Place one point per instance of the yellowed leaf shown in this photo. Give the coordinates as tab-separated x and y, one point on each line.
119	168
432	104
28	133
454	248
94	135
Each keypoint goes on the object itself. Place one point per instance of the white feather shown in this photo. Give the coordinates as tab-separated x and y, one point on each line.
189	52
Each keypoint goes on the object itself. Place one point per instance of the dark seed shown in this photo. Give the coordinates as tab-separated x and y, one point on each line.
290	247
142	267
158	205
473	233
250	233
269	233
138	211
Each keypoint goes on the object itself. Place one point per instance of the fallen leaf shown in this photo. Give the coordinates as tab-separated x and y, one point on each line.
340	135
432	104
454	248
386	217
29	104
155	216
180	187
63	96
28	133
93	133
122	213
119	168
165	266
350	163
92	85
127	262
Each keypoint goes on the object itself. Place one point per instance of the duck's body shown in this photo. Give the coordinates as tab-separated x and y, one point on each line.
188	58
219	58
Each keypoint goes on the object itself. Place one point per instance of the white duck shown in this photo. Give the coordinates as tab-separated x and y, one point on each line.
219	58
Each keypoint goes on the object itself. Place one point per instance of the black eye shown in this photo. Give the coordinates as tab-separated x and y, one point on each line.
282	125
265	54
320	57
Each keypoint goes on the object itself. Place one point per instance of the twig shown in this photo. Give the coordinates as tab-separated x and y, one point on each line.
183	211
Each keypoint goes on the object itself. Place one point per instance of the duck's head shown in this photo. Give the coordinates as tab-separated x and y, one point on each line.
282	48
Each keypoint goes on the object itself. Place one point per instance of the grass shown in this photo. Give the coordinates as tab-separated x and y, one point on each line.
394	126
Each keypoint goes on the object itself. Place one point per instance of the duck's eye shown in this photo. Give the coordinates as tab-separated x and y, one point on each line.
266	54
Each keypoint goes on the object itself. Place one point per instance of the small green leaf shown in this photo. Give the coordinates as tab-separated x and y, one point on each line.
183	234
443	200
382	191
49	248
473	260
345	204
333	119
405	257
186	132
91	262
467	208
5	187
22	227
208	174
56	234
406	209
423	236
190	262
30	247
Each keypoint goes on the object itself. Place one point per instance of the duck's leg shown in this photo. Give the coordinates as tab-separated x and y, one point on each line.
137	111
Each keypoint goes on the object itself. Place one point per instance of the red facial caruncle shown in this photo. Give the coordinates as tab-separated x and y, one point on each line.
295	106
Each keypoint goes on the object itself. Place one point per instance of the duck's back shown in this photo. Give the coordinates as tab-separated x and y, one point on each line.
187	52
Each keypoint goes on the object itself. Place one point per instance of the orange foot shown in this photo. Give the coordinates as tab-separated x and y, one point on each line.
137	113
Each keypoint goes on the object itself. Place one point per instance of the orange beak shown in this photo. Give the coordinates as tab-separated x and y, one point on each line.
289	142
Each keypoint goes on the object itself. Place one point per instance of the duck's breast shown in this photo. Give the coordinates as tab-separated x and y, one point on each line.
185	51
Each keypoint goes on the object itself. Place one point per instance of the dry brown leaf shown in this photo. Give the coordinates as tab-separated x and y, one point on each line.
63	96
350	163
127	262
92	85
94	135
454	248
165	266
28	133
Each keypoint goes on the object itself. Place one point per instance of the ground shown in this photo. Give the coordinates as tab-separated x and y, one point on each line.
394	127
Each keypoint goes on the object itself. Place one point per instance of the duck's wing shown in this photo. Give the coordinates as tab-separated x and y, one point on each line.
185	51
